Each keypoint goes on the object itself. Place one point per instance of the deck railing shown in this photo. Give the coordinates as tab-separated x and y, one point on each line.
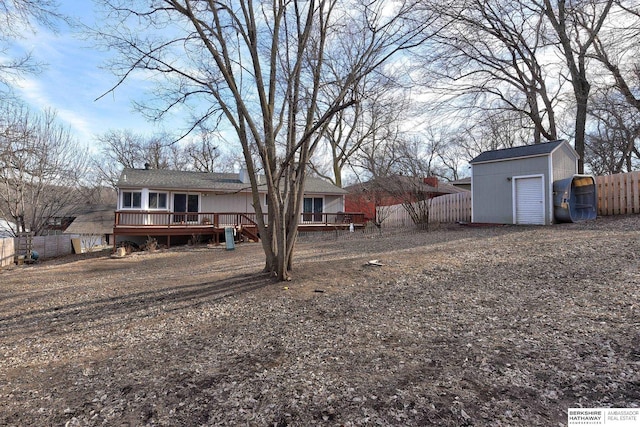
322	218
221	220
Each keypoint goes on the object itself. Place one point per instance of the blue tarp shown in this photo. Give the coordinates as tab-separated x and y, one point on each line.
574	199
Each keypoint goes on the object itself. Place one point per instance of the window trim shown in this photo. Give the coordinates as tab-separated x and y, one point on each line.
158	208
132	206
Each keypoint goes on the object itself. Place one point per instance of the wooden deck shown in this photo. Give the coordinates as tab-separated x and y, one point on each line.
136	223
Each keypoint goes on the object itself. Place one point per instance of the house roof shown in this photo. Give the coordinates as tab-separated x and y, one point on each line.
397	183
163	179
462	181
97	222
524	151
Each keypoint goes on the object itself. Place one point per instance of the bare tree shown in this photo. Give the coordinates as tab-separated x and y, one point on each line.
418	155
576	26
380	156
611	145
41	167
203	154
487	130
616	48
415	166
412	192
16	17
259	66
492	58
126	149
367	124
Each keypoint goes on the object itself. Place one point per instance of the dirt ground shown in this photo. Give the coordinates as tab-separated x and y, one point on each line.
482	326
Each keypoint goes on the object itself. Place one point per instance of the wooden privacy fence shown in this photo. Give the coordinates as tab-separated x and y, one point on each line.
618	194
7	252
46	246
451	208
448	208
53	246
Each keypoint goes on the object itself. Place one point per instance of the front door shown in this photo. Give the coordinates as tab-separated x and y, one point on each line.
185	203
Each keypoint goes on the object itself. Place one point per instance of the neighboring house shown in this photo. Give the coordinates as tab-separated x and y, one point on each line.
165	203
463	183
393	190
59	223
94	227
516	185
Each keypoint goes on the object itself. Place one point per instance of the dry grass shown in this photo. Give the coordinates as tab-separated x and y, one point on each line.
460	326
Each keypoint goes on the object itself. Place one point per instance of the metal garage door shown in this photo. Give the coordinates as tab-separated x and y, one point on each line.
529	200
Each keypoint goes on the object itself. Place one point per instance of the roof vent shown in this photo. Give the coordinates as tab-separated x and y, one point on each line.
147	166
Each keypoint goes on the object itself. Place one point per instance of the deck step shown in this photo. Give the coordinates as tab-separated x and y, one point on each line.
251	233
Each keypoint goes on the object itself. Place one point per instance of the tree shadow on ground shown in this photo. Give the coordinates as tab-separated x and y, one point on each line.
85	315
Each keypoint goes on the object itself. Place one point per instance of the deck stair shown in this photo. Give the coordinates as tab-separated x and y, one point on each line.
249	228
250	232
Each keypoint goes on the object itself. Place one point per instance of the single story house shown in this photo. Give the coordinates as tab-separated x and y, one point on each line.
516	185
463	183
394	190
165	203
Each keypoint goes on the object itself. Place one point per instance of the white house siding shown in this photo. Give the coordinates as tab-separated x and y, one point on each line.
333	204
220	203
243	202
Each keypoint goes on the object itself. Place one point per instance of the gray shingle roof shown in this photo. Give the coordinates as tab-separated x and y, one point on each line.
400	183
162	179
97	222
518	152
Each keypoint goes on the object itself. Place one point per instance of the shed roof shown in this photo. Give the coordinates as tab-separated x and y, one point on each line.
205	181
524	151
97	222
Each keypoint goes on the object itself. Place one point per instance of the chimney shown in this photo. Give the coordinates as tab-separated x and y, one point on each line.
243	176
431	181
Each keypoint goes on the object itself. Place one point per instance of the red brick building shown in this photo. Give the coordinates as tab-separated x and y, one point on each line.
393	190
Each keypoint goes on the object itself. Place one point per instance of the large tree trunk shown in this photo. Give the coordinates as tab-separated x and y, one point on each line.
265	67
582	96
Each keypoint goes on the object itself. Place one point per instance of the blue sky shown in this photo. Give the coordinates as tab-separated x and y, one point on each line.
73	79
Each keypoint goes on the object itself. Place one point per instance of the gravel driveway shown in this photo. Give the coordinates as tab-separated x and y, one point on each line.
483	326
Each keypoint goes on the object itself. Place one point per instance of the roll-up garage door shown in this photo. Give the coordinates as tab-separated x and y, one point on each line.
529	200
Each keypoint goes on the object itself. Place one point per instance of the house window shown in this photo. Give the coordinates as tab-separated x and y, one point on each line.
132	200
157	200
312	209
